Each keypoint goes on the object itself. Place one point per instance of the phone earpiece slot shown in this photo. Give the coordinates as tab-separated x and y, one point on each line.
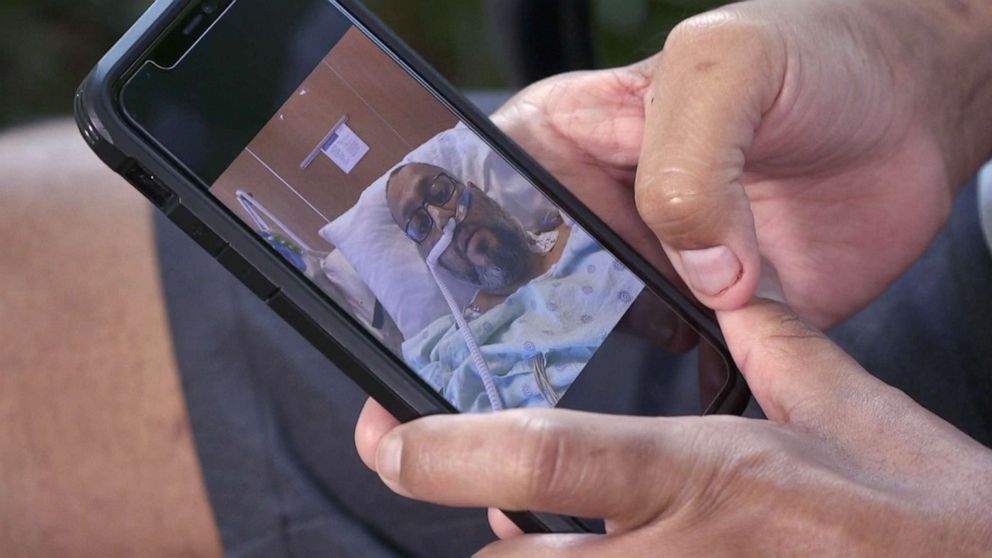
189	28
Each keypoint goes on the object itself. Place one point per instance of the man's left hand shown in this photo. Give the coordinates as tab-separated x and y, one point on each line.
845	464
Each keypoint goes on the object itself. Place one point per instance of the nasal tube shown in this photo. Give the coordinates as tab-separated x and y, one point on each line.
448	233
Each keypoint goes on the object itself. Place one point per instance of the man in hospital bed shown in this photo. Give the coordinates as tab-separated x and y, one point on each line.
545	301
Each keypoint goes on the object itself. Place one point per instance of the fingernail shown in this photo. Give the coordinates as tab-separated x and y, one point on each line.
711	271
388	456
769	284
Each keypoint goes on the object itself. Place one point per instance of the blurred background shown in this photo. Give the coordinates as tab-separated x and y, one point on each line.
47	46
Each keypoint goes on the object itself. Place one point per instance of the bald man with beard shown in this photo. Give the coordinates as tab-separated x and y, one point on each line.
546	300
490	248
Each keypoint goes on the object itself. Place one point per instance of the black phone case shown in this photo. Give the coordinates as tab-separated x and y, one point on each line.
345	343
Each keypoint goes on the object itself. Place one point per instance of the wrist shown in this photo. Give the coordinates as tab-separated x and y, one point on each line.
946	45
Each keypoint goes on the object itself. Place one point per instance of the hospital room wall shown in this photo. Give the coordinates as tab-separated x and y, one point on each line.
384	106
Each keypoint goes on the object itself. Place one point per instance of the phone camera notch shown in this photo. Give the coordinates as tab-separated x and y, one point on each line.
193	24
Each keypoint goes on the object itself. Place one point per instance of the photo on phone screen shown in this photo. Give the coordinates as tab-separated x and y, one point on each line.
409	221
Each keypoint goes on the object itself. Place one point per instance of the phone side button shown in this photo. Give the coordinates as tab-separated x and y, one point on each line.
199	232
147	184
251	277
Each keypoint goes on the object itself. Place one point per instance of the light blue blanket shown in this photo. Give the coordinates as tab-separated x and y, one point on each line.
548	329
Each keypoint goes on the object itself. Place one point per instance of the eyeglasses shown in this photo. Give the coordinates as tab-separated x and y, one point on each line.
439	193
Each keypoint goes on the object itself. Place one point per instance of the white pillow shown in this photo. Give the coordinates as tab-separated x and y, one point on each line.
388	262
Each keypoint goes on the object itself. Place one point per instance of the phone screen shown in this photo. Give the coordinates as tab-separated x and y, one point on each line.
365	181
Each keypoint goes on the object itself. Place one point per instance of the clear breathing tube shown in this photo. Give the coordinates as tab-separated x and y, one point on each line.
448	233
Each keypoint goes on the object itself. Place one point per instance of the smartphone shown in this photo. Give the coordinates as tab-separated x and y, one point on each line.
369	204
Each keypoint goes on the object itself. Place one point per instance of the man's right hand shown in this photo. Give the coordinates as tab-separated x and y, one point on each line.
845	465
818	136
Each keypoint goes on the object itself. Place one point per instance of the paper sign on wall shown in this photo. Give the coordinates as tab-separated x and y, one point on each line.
342	146
345	148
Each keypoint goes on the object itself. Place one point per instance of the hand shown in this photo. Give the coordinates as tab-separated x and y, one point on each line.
846	465
806	133
809	134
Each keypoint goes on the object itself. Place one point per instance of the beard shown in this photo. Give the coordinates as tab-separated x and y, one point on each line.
506	255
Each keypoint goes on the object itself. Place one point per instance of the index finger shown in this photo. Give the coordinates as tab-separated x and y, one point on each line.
623	469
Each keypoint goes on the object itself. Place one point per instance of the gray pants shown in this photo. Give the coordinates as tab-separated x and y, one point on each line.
273	419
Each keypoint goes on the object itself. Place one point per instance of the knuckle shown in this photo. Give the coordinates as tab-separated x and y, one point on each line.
694	30
732	35
789	325
719	29
675	205
789	338
780	341
757	449
541	461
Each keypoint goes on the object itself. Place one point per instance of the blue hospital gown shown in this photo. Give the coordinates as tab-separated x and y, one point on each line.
562	316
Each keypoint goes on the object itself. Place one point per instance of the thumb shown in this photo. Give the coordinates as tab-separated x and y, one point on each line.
716	78
795	372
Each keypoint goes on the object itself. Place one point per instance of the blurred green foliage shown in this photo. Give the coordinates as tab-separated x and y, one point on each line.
629	30
48	46
449	34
